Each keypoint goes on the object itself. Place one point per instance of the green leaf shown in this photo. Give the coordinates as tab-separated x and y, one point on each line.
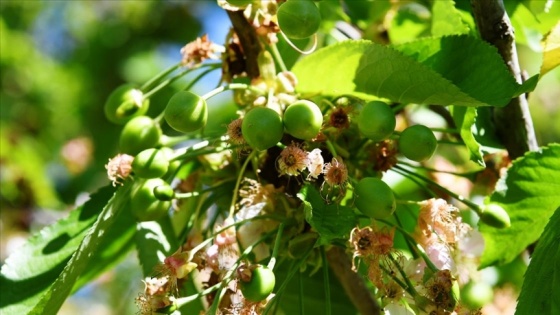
529	194
114	246
31	270
465	118
155	240
54	297
331	221
314	299
411	21
452	70
446	19
540	288
551	53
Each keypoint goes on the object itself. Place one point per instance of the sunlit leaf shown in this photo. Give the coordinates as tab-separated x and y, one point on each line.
529	194
446	19
31	270
551	50
451	70
52	299
465	118
540	294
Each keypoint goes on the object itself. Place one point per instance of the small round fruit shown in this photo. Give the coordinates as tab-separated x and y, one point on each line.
145	206
239	3
374	198
262	128
164	193
475	295
376	121
303	120
186	112
260	285
125	103
150	163
495	215
299	18
138	134
417	143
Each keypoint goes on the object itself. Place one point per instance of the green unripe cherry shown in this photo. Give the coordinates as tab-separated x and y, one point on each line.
150	163
138	134
145	206
262	128
125	103
260	285
495	215
417	143
374	198
186	112
303	119
164	193
299	18
376	121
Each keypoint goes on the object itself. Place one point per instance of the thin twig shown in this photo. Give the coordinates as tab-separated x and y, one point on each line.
352	283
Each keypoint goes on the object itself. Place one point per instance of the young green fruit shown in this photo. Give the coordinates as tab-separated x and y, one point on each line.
145	206
374	198
124	103
376	121
303	120
164	193
262	128
494	215
150	163
417	143
186	112
260	285
138	134
299	18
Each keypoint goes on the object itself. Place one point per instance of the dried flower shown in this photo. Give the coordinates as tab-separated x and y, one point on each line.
438	216
199	50
374	246
315	164
119	168
335	173
439	290
384	155
234	132
339	117
292	160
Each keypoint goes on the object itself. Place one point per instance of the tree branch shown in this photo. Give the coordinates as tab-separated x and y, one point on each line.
249	41
352	283
513	122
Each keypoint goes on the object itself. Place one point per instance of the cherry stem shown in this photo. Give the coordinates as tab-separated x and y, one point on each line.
238	183
272	261
159	76
462	199
278	57
232	86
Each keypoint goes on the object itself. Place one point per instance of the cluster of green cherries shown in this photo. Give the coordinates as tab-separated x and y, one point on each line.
261	128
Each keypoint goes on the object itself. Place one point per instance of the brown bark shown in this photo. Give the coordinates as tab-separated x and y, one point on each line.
249	41
513	122
352	283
